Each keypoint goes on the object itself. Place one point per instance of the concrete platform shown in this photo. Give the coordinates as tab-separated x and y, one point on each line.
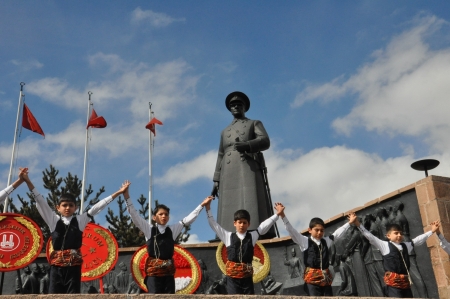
145	296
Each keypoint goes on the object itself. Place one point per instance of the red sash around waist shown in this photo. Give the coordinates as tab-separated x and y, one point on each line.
158	267
395	280
66	258
317	277
239	270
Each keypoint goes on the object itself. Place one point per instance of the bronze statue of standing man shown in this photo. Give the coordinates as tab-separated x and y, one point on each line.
239	178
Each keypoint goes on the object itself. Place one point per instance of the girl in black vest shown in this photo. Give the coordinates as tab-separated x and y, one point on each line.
160	268
315	250
395	256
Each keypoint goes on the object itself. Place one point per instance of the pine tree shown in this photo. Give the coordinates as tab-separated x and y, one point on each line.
125	232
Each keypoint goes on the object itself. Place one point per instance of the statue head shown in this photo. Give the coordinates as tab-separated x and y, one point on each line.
27	270
34	268
293	252
122	266
237	98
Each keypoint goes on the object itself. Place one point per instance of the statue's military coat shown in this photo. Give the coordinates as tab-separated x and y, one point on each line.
240	175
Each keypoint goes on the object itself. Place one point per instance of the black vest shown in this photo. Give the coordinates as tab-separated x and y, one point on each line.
311	256
161	245
73	235
238	247
393	260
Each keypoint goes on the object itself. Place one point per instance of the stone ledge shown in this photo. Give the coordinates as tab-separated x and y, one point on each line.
177	296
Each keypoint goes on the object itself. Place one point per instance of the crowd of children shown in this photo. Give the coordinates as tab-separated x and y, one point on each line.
67	227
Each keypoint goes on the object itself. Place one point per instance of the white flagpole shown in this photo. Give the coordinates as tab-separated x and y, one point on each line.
150	166
13	155
83	183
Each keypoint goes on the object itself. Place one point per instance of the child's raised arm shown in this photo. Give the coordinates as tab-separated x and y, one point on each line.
98	207
189	219
297	237
9	189
41	204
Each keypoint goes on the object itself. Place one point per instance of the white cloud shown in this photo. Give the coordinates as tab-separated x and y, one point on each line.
28	64
194	239
186	172
167	85
403	91
155	19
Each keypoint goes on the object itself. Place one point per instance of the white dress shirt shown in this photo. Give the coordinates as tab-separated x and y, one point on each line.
51	218
383	246
225	236
5	192
146	227
302	240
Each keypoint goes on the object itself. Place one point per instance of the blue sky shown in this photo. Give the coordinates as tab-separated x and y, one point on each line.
350	92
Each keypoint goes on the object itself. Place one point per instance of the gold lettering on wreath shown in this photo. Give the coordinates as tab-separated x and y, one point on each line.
109	260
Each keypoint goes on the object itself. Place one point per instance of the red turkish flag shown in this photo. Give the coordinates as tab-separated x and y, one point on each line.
29	122
151	125
96	121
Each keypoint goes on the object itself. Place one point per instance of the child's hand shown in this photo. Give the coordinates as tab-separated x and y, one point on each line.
280	209
352	218
207	202
125	186
435	226
122	190
23	174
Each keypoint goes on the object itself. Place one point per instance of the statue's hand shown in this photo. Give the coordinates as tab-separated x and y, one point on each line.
242	147
215	189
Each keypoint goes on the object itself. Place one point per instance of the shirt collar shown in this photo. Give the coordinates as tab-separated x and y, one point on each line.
315	240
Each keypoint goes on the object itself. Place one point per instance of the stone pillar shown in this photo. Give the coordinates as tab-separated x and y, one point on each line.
433	196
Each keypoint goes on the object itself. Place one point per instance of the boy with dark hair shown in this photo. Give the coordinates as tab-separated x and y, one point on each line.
160	268
67	231
240	244
316	254
395	254
8	190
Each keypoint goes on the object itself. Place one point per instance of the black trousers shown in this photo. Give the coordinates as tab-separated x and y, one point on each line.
160	284
313	290
242	286
65	280
398	293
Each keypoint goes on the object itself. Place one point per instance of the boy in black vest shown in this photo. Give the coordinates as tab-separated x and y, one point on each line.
160	268
316	254
395	256
67	232
8	190
239	271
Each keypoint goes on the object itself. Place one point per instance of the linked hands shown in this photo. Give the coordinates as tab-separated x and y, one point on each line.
435	226
122	190
207	202
353	219
280	209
